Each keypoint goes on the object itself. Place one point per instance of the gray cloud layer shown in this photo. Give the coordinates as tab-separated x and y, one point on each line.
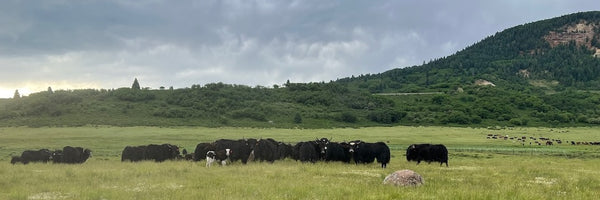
105	44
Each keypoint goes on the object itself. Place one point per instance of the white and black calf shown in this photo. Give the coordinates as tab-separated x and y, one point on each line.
221	156
210	158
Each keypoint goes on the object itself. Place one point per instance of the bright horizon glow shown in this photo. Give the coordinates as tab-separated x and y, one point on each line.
28	88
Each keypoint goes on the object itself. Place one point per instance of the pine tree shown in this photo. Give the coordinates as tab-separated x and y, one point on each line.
17	95
136	85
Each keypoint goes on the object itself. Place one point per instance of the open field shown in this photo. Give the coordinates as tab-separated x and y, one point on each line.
480	168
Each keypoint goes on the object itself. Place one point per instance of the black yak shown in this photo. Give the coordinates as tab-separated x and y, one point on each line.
428	153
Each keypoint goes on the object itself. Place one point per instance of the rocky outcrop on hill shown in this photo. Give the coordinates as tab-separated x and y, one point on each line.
583	33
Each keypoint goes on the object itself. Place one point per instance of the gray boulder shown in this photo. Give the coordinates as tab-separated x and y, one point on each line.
404	178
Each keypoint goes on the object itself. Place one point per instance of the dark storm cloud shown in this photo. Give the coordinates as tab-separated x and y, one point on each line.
178	43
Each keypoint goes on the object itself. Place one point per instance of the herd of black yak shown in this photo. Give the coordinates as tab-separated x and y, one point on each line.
226	151
68	154
265	150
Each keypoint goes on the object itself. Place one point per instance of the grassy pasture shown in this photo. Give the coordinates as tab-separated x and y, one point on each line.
480	168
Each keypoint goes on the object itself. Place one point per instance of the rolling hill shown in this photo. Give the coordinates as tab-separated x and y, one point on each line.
544	73
561	50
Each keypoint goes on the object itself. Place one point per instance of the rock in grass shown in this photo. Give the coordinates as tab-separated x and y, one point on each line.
404	178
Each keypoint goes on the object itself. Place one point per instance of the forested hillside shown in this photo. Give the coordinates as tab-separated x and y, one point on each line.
545	73
562	49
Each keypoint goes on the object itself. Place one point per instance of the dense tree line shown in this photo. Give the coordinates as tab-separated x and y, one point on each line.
311	105
213	104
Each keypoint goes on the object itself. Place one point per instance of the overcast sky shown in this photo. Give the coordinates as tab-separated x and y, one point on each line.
106	44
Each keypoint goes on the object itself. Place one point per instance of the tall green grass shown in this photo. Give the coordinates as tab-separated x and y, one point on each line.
479	168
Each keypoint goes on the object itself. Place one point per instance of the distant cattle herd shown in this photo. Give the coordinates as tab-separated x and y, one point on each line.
537	140
224	151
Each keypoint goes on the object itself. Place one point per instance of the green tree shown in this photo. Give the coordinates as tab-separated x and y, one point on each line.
136	85
439	99
297	118
595	42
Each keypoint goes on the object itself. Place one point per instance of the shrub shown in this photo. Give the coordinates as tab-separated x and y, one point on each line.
518	121
250	114
386	116
126	94
461	118
593	120
348	117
